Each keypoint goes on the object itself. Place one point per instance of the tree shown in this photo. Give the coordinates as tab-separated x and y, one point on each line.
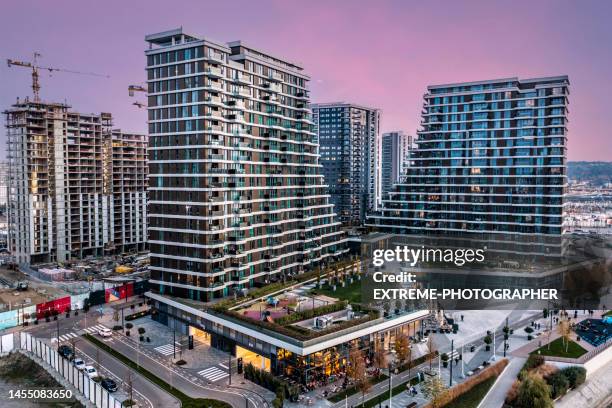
488	340
558	384
402	348
565	331
358	373
129	385
433	388
534	393
380	357
444	357
575	375
431	351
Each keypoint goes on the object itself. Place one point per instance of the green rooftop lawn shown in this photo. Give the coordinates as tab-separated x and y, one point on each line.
351	292
557	349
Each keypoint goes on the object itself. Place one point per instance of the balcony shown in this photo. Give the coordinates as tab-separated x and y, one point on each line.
241	79
214	72
275	76
218	58
241	93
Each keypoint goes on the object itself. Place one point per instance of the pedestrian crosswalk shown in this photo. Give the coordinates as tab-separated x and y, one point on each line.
167	349
453	355
94	329
65	337
213	374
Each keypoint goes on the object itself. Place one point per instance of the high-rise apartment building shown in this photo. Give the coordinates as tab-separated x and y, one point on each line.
350	155
237	198
490	158
63	196
3	187
395	158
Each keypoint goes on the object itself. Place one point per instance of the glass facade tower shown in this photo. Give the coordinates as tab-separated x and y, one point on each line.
490	158
350	155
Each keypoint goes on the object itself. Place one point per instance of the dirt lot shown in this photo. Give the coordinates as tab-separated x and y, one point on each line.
37	291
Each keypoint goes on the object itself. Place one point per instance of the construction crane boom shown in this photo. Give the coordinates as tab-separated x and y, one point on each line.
132	89
35	72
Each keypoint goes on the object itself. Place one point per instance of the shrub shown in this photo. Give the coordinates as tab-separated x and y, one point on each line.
534	392
309	314
513	392
141	330
129	325
528	329
180	362
558	384
533	361
117	327
575	375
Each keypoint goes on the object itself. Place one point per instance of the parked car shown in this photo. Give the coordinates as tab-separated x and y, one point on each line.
90	371
65	351
109	385
78	363
105	332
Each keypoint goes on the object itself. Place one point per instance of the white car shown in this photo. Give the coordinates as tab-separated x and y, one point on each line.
78	363
90	371
105	332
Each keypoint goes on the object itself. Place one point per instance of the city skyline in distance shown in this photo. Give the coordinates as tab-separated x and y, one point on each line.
413	46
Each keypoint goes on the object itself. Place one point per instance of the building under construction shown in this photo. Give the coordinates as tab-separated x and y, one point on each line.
77	187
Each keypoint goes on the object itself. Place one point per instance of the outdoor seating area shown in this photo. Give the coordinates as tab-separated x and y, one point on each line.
594	331
275	307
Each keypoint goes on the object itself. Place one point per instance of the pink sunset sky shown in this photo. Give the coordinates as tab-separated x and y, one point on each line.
376	53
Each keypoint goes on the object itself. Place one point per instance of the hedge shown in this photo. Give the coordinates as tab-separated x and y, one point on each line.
460	389
135	316
301	333
270	382
186	401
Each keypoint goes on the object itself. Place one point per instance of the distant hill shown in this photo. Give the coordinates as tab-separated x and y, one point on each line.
596	173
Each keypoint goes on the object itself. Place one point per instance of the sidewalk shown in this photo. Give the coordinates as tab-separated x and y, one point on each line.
497	393
184	380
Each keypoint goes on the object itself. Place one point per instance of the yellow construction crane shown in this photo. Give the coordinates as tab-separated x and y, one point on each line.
35	72
132	89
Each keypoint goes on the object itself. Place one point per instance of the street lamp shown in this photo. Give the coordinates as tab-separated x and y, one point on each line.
451	363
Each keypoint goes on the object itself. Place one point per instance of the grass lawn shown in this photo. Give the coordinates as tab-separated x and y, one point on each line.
609	313
350	293
557	349
472	398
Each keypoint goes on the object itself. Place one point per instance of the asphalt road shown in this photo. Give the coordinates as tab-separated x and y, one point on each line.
145	392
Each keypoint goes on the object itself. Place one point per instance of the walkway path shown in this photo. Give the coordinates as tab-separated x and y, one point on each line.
497	394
